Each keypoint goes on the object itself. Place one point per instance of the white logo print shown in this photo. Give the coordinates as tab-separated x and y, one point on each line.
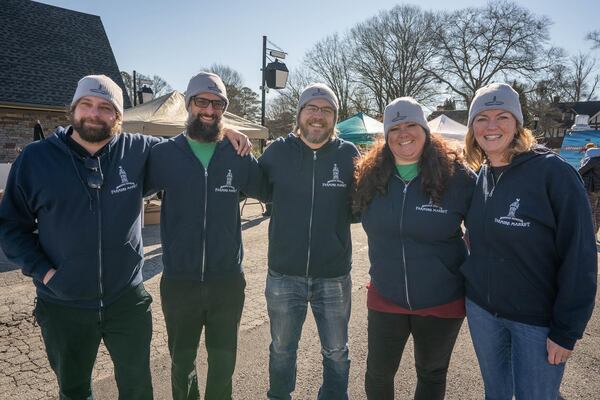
125	184
227	187
431	208
335	181
510	219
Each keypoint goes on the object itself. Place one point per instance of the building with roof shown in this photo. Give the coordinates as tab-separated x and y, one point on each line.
44	52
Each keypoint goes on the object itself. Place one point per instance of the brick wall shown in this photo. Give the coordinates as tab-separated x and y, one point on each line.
16	128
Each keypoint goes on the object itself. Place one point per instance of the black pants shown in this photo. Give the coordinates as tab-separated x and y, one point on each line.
434	340
188	307
72	337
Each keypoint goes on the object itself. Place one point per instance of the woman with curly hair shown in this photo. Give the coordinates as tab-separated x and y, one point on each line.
531	274
412	193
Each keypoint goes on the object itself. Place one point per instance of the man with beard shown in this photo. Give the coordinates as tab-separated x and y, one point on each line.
309	180
202	285
71	218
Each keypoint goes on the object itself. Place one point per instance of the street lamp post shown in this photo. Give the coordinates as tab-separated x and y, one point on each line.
536	120
274	74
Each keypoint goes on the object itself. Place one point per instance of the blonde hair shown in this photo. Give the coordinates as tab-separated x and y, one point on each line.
523	141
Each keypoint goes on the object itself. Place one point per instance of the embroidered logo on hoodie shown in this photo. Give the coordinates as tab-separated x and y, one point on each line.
510	219
227	187
125	184
431	208
335	180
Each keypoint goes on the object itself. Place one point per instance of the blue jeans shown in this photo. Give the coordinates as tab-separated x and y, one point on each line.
287	303
512	357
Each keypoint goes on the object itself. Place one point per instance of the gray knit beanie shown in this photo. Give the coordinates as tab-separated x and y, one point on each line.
317	91
206	82
403	110
496	96
99	86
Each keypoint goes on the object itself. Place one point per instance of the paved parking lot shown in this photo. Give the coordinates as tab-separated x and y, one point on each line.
25	374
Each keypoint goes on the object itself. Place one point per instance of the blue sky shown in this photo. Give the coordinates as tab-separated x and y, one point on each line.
175	39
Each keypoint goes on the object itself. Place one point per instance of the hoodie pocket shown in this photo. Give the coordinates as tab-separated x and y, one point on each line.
76	278
514	289
121	264
430	281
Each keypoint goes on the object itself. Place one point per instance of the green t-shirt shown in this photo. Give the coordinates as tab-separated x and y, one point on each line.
203	151
408	171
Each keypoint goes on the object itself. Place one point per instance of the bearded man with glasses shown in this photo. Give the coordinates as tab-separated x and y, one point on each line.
310	179
71	219
202	286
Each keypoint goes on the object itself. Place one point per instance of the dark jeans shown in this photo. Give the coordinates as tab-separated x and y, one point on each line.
72	337
188	307
434	340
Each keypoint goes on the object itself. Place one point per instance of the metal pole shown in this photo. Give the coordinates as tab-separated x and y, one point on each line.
134	89
263	86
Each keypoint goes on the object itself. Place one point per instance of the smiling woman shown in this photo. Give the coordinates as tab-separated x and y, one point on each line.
413	193
531	273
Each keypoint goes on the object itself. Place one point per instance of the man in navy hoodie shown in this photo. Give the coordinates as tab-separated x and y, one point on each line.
71	218
310	177
202	286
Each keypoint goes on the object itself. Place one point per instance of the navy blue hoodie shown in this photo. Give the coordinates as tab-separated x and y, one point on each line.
533	254
416	247
200	214
309	231
92	237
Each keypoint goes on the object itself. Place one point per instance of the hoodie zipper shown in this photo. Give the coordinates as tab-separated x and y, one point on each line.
406	184
312	205
204	224
486	196
100	286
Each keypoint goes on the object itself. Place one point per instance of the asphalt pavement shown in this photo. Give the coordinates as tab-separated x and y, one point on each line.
25	374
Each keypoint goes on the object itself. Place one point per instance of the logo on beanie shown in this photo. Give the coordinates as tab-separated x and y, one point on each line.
215	88
510	219
318	93
335	180
399	117
494	102
227	187
101	89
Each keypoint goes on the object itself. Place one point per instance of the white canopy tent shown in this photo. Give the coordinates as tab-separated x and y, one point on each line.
449	129
166	116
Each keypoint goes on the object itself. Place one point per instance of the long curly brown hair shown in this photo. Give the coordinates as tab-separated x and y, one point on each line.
375	169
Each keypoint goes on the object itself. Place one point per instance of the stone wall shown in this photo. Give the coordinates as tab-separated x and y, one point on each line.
16	128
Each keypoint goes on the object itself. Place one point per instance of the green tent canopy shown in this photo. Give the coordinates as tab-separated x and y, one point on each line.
360	129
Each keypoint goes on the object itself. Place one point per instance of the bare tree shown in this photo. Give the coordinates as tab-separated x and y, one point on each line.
574	79
242	100
584	82
229	76
391	52
158	85
281	116
329	60
281	111
594	37
477	46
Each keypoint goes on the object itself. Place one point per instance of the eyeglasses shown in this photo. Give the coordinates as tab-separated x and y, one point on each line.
95	179
311	109
201	102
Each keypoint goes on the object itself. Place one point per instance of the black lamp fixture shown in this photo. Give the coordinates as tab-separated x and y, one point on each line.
274	74
145	94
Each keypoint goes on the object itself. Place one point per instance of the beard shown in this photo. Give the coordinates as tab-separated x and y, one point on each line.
314	137
202	131
94	134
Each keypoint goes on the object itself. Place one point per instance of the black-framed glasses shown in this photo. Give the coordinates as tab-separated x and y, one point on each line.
95	179
312	109
201	102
